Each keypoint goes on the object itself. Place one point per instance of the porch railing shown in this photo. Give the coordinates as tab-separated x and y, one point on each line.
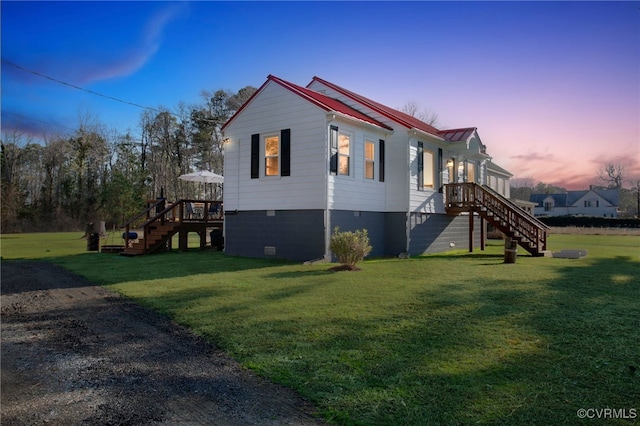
530	232
162	212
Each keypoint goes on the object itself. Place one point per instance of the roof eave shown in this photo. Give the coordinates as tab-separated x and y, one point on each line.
381	126
430	135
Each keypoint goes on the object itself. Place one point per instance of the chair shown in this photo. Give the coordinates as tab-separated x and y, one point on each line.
189	211
214	210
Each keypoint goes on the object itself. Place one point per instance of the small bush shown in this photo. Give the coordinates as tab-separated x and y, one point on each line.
350	247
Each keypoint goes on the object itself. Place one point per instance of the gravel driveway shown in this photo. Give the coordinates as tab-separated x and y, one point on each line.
74	353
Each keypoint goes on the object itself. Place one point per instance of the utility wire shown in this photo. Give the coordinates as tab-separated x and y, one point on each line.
77	87
64	83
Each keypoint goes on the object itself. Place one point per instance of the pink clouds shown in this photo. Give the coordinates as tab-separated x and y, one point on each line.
573	172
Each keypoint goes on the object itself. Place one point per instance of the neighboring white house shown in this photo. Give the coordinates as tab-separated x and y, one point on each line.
593	202
498	179
300	161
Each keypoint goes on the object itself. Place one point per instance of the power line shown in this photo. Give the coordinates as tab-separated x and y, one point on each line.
93	92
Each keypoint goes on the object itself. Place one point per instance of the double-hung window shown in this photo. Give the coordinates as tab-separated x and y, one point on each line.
471	172
425	167
369	159
272	155
344	154
428	169
275	148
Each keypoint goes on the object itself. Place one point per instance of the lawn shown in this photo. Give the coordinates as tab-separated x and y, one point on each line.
459	338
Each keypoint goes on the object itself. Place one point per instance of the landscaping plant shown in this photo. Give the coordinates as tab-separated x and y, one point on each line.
350	247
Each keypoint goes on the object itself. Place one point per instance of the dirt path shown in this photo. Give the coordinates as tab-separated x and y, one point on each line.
74	353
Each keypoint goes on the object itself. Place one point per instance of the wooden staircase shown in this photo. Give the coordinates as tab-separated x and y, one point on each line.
159	222
155	239
514	222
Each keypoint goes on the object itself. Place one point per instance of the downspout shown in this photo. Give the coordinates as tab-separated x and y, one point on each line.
327	218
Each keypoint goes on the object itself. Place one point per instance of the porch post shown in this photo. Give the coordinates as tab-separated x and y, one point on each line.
470	230
483	233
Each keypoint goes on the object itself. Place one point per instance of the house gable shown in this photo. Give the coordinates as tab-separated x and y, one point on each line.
320	100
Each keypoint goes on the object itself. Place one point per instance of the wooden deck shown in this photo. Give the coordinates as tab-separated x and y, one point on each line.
162	220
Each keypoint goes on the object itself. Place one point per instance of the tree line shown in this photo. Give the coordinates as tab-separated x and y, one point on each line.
95	174
66	181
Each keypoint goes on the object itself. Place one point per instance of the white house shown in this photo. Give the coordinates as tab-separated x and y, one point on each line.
300	161
594	202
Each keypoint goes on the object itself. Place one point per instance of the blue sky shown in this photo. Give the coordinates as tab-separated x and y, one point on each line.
553	87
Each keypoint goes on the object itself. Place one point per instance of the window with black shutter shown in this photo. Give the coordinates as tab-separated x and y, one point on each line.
381	163
420	158
285	148
255	156
440	170
333	150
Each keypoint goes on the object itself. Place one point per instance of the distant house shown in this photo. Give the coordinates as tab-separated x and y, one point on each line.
593	202
300	161
498	179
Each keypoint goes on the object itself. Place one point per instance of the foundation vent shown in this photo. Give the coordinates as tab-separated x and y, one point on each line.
269	251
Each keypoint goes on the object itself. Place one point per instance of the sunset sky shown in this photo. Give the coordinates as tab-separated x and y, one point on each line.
553	87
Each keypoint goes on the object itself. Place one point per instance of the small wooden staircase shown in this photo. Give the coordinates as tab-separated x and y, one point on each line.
160	221
514	222
154	240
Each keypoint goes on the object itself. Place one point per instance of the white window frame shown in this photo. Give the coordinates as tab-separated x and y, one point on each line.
428	166
266	157
370	161
348	155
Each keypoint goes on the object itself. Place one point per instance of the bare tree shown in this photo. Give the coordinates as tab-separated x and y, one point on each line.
612	174
413	109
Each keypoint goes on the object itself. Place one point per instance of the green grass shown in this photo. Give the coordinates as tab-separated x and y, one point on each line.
445	339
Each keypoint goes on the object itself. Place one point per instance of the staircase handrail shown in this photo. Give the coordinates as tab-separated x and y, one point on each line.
145	212
528	217
531	229
481	198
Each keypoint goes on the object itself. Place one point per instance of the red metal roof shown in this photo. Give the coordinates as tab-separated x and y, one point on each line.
457	135
318	99
327	103
330	104
399	117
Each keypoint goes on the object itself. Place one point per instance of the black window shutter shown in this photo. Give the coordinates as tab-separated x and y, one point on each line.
440	169
381	164
285	146
420	166
255	156
333	150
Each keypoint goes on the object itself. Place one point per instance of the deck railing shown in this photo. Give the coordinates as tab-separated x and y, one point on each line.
182	211
502	213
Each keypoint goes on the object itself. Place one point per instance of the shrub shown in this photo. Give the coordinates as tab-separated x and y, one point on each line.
350	247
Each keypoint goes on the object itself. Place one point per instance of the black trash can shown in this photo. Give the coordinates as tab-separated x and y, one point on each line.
217	240
93	242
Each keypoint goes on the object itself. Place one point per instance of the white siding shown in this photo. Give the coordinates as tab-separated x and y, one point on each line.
425	200
596	206
273	109
355	192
